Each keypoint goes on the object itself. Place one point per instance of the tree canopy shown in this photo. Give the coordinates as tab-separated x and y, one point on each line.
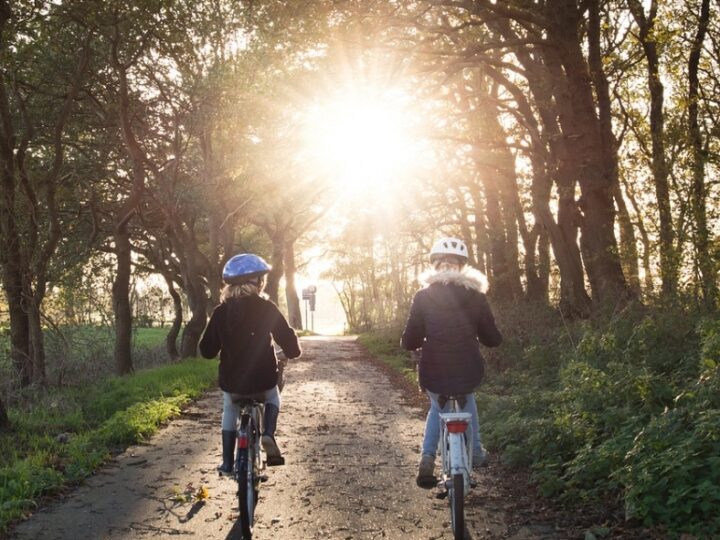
572	145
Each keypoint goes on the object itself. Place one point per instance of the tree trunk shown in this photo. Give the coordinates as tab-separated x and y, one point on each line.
705	266
645	242
193	332
585	137
574	300
121	302
465	225
272	288
19	322
197	301
172	335
291	295
628	246
510	211
544	263
13	261
496	241
123	248
215	219
668	258
480	226
496	165
550	160
37	346
536	290
4	420
216	260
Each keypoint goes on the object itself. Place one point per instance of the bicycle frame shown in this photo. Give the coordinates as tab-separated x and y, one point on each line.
456	455
455	451
248	462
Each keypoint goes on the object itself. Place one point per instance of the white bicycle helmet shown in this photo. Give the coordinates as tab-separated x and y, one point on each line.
449	246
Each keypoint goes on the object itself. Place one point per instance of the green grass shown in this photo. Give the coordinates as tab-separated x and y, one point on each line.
149	337
386	347
96	420
142	337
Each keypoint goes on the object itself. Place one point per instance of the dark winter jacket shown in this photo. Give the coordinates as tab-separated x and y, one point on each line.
447	319
241	329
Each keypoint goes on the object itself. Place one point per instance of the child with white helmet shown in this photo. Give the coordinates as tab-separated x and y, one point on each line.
449	318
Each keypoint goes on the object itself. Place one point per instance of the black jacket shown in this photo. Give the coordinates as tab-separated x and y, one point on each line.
447	319
241	330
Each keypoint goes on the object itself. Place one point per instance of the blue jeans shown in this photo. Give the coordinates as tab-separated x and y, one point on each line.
232	410
432	424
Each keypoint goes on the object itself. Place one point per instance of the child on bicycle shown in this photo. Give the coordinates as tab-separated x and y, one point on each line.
448	319
242	329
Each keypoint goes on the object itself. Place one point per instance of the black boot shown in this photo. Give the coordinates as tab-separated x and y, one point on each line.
228	446
274	457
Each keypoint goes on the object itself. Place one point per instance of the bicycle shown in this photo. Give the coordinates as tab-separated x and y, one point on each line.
249	463
456	461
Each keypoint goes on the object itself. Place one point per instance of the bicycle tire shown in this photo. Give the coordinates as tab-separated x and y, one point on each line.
457	506
247	495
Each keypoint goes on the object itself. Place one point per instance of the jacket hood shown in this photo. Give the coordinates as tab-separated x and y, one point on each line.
467	277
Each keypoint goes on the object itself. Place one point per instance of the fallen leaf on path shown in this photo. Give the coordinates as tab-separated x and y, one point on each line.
202	493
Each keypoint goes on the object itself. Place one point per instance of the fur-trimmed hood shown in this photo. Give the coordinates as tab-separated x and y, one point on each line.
468	277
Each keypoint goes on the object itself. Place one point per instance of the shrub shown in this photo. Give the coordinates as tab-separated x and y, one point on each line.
624	409
672	472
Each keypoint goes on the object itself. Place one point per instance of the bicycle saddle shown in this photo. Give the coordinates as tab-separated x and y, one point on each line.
248	400
462	400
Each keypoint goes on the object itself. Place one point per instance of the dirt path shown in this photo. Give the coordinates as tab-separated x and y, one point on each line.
351	445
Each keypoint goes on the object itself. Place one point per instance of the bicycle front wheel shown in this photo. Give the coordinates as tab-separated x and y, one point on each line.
457	506
247	495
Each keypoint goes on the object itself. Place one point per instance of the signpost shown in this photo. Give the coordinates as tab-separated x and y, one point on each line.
308	294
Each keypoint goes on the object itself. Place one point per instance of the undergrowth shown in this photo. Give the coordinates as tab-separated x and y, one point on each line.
623	408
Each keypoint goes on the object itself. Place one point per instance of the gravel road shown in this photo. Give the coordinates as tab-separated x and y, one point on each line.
351	443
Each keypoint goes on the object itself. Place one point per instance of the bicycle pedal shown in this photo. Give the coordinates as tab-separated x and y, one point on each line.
441	495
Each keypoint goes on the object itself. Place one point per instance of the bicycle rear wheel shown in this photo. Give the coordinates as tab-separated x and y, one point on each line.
457	506
247	494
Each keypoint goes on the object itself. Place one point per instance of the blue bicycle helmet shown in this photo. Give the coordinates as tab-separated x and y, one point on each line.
243	268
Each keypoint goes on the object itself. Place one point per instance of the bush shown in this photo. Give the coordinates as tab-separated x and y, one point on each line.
624	409
672	473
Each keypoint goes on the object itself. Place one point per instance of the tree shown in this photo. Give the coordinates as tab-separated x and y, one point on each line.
647	32
35	114
706	268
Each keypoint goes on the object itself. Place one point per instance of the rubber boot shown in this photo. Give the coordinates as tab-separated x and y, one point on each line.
480	458
426	472
274	457
228	452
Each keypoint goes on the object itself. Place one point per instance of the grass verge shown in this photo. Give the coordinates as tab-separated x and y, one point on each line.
65	435
385	346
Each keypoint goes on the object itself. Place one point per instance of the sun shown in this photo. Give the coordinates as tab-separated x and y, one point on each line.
363	141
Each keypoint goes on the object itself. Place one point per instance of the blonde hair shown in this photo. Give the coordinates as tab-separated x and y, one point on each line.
242	289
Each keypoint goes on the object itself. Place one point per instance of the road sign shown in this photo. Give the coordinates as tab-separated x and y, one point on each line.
308	294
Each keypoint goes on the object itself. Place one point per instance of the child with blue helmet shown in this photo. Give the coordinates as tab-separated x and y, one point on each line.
242	329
